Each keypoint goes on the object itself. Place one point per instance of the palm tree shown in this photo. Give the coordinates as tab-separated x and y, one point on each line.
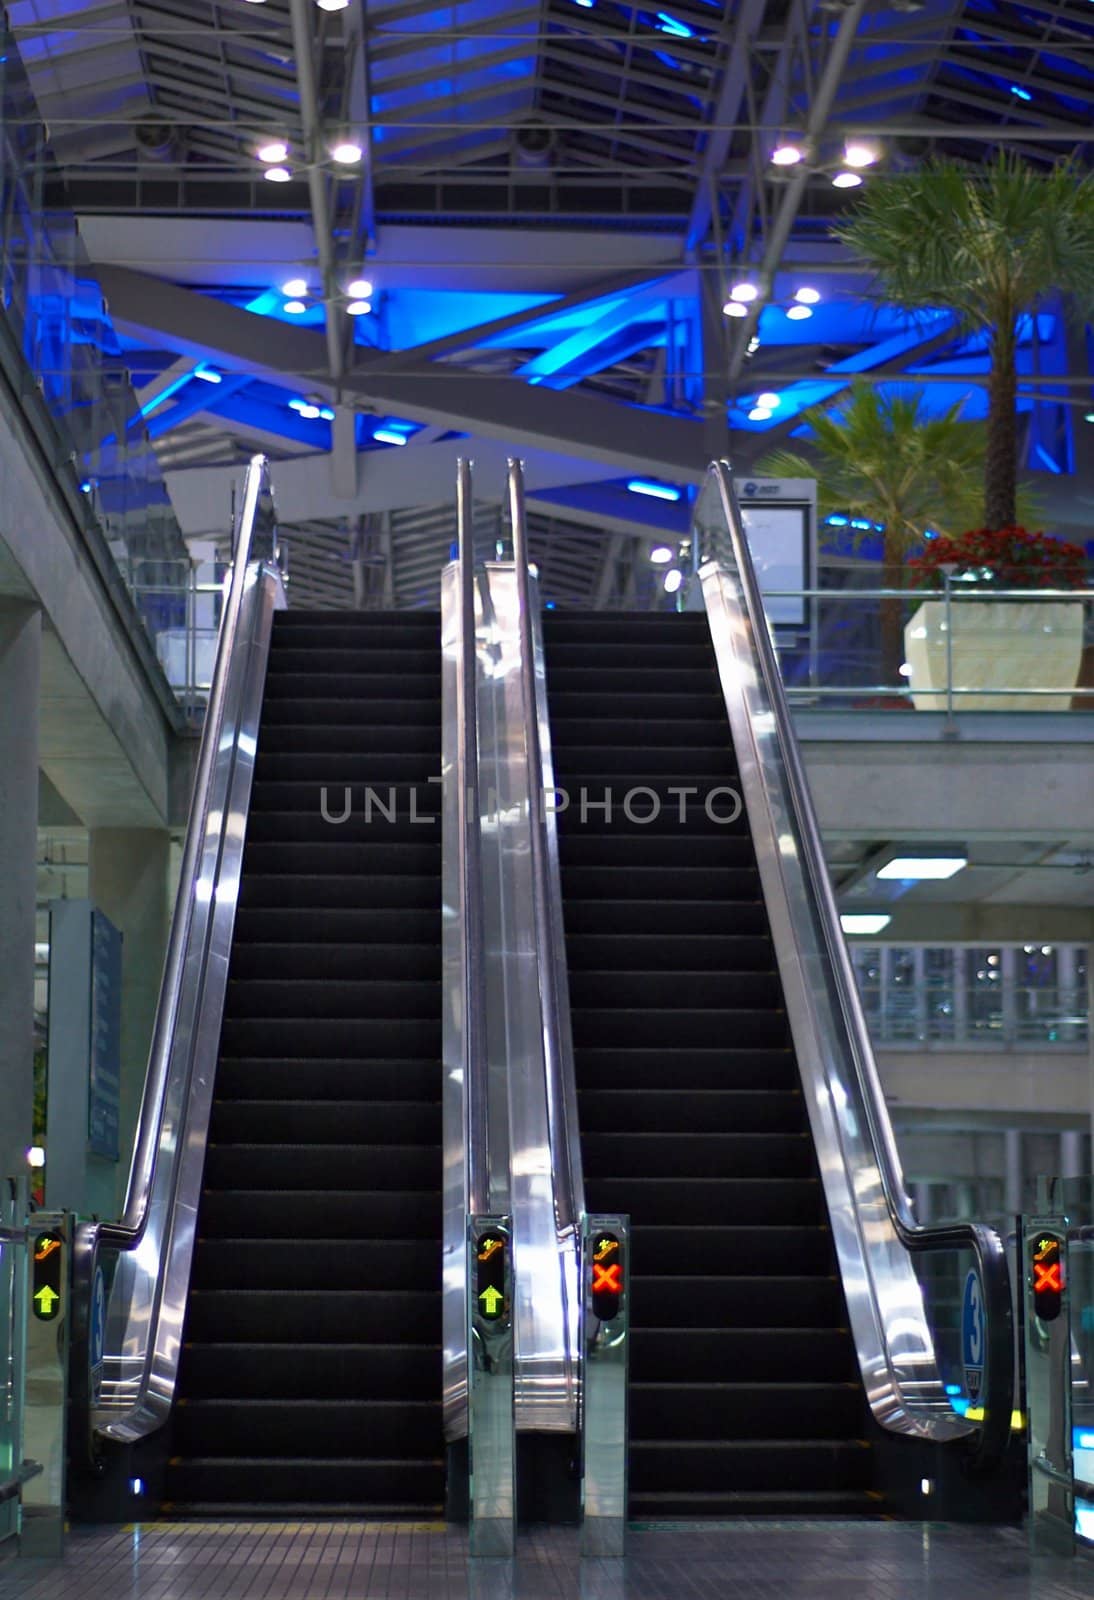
991	242
880	457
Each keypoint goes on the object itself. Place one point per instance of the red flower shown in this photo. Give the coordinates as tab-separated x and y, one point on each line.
1004	558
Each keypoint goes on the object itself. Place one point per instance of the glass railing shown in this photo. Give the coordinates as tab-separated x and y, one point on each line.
69	375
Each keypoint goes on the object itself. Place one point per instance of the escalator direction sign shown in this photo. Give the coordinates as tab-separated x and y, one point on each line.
1048	1276
490	1299
606	1276
46	1288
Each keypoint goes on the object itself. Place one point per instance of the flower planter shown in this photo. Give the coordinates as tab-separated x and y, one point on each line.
1005	644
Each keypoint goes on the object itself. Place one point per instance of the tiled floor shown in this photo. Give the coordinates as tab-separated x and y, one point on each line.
343	1561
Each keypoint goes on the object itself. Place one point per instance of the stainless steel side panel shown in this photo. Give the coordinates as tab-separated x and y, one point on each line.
885	1304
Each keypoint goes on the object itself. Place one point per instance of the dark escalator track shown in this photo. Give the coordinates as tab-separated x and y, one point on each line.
310	1375
745	1397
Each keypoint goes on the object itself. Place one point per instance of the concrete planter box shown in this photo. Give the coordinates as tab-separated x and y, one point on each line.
1008	644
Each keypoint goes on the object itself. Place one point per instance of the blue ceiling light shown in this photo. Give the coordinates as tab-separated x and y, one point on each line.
388	436
674	28
208	374
656	491
1023	94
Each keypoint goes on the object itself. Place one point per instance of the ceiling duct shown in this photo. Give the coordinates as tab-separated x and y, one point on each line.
534	146
158	139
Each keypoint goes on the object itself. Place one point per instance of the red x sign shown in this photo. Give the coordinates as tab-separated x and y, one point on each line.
1048	1278
607	1280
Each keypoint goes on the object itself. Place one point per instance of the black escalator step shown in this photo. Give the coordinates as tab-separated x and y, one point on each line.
336	1316
334	710
635	626
263	1077
705	766
644	952
358	684
658	654
220	1483
797	1504
291	997
626	677
708	1201
330	739
388	656
379	820
316	1263
698	1155
678	1029
719	1067
665	918
739	1302
692	805
368	1371
390	926
397	1429
331	853
666	885
320	1037
591	704
388	891
344	1167
302	618
320	1214
251	959
707	1467
579	849
674	991
683	1110
364	1120
372	768
747	1250
720	1411
635	732
752	1355
412	801
348	634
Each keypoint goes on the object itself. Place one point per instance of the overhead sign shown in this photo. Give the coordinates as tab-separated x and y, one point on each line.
972	1335
46	1290
1048	1277
490	1276
606	1276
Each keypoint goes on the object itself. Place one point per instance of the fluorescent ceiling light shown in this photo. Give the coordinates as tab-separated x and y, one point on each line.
923	868
864	922
656	491
207	375
661	554
388	436
294	288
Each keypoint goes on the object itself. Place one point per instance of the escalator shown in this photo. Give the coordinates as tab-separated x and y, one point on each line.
745	1397
310	1370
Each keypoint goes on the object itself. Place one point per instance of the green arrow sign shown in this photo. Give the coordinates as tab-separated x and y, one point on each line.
492	1299
46	1303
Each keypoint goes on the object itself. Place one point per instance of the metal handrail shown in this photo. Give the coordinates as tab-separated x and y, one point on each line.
983	1241
476	1088
565	1150
183	965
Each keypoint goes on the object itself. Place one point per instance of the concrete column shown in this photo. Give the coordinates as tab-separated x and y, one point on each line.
20	665
921	1194
1013	1177
128	879
1071	1153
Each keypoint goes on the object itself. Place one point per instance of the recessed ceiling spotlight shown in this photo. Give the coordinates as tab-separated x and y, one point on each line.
273	151
277	175
347	152
294	308
294	288
734	308
332	5
864	922
860	154
847	180
787	155
798	313
661	554
308	410
769	400
673	579
760	414
358	308
744	292
359	289
806	296
923	868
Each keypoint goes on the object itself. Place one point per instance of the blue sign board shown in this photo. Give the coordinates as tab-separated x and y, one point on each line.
104	1090
972	1335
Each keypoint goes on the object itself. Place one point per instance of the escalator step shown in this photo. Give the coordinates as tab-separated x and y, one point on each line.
267	1370
752	1465
715	1411
789	1302
355	738
748	1249
339	959
337	1316
773	1202
387	891
699	1155
753	1355
323	1037
346	1168
331	998
683	1109
377	769
583	913
690	991
333	926
390	655
345	713
329	1078
272	1428
678	1030
416	799
386	1487
362	1121
359	683
636	848
321	1214
756	1068
270	1263
797	1504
